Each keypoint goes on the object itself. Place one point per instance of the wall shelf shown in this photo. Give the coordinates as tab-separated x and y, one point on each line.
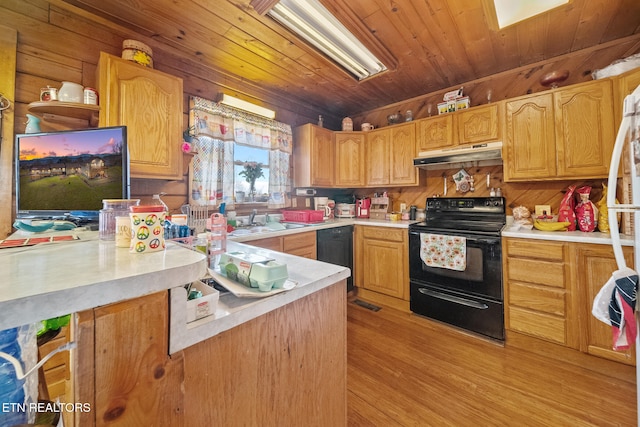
61	111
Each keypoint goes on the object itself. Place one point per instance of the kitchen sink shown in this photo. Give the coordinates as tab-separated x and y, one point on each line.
290	226
268	228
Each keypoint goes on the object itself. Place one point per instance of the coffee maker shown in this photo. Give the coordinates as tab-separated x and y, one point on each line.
363	207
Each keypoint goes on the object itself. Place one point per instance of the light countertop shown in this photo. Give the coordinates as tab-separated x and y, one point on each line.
310	275
566	236
338	222
54	279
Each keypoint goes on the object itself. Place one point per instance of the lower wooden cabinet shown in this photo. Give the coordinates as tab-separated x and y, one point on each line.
286	367
382	261
549	292
300	244
593	265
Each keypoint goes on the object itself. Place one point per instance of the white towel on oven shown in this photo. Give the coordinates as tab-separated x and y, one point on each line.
437	250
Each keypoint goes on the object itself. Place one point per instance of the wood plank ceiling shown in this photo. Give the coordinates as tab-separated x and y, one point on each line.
437	44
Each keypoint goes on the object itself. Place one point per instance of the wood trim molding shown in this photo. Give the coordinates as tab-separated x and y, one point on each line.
8	49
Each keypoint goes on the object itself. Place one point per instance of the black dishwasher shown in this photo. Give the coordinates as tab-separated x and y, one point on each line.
335	246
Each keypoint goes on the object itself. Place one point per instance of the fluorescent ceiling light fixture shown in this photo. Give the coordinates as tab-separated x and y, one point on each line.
314	23
509	12
246	106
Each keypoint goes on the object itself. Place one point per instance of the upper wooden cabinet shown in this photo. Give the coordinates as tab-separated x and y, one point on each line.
149	103
472	126
477	125
389	156
382	157
435	132
377	150
561	134
350	149
403	151
313	157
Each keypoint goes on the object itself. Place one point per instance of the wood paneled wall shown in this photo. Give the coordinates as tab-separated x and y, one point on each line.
57	42
526	194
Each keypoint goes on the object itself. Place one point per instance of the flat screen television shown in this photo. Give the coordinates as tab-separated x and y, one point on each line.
67	174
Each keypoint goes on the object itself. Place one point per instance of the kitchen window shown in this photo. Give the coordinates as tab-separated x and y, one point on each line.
235	149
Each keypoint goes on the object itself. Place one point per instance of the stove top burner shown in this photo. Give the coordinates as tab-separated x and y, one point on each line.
472	214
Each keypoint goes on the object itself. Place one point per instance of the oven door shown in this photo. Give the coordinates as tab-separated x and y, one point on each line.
481	315
482	275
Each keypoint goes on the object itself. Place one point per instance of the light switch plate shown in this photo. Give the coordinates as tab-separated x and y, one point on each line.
540	209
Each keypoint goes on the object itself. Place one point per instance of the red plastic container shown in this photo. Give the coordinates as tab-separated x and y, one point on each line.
303	216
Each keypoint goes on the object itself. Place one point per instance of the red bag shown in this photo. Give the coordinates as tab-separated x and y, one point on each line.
586	211
566	212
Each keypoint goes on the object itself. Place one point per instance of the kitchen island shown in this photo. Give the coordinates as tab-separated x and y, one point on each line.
274	360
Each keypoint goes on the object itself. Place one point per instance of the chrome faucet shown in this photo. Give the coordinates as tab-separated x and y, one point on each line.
252	216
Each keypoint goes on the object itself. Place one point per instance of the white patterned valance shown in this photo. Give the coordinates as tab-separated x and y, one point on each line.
218	128
219	121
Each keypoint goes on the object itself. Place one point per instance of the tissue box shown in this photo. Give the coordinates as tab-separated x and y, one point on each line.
268	276
204	306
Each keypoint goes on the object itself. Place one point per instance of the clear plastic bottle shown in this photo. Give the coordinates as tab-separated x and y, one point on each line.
216	239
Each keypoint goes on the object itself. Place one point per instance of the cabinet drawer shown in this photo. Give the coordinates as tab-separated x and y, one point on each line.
304	252
299	240
384	233
540	325
536	271
272	243
543	299
552	251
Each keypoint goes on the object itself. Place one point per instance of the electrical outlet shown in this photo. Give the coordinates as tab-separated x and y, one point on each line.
294	202
403	207
307	202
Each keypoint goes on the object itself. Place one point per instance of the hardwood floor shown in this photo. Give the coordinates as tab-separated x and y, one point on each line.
405	370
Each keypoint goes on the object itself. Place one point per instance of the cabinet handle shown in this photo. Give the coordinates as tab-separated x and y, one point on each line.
454	299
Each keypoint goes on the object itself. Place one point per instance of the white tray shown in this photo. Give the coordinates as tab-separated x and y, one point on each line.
242	291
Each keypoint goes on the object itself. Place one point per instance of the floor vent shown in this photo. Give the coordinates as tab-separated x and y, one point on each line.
366	305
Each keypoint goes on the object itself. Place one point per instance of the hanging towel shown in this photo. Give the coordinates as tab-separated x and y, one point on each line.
437	250
621	290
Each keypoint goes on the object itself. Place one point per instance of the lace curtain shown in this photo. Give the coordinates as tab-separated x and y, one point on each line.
217	129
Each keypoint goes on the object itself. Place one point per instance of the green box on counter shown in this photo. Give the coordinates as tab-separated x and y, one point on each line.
255	271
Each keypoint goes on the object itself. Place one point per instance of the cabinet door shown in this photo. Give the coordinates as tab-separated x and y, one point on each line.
529	139
149	103
584	124
403	151
377	157
383	269
479	124
594	265
350	171
134	377
435	133
322	157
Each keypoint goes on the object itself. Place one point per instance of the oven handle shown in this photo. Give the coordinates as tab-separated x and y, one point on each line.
451	298
486	240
